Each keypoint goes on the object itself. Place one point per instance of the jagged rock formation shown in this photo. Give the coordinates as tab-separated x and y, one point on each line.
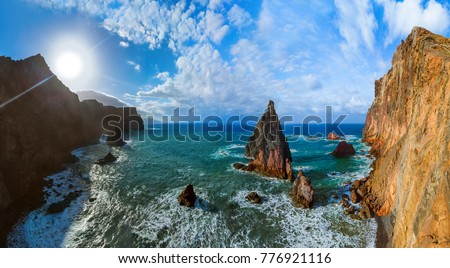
187	197
333	137
302	192
408	127
344	149
268	148
39	129
109	158
254	198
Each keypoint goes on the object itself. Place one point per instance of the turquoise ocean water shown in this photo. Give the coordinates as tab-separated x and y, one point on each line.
133	202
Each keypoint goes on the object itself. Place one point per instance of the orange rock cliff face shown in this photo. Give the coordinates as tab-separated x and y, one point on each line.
38	131
409	129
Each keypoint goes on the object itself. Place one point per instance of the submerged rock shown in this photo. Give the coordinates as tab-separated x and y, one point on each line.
344	149
350	210
109	158
332	136
187	197
269	148
59	207
254	198
344	203
302	192
240	166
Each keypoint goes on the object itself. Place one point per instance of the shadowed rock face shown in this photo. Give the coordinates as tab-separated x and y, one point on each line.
187	197
302	192
268	148
39	130
109	158
409	129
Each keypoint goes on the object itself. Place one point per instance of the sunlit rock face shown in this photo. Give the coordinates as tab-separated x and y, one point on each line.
409	129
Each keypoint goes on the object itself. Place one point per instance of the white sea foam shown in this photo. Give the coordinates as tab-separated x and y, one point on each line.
158	221
235	146
39	229
78	152
167	224
304	168
323	226
233	151
352	138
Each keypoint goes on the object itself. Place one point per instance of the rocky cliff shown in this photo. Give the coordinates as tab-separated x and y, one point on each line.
38	130
269	148
409	128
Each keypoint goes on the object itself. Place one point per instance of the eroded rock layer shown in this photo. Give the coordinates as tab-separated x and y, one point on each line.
409	129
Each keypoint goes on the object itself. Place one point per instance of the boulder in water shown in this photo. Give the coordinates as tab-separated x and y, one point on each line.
59	207
344	149
109	158
302	192
187	197
333	137
254	198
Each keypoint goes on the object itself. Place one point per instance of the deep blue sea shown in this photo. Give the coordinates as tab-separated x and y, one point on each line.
133	202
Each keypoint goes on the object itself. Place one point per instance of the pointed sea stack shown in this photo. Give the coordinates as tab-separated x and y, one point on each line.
302	192
268	148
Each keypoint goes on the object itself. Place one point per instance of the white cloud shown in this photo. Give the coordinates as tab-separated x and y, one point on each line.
311	82
135	65
356	24
216	4
238	17
401	17
124	44
164	76
92	7
291	56
214	26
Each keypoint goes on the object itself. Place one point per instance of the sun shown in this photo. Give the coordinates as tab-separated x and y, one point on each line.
73	60
69	65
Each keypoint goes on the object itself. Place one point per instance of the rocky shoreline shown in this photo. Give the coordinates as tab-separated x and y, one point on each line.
37	133
406	192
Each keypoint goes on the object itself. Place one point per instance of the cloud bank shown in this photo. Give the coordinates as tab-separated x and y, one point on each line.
304	55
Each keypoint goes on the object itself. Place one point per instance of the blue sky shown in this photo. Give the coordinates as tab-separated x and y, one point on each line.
223	57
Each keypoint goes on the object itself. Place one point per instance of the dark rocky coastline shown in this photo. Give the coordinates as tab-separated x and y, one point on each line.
39	129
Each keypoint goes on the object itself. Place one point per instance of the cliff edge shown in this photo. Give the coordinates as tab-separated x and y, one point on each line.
41	122
408	127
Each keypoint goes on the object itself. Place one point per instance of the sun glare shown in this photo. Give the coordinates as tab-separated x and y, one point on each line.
69	65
